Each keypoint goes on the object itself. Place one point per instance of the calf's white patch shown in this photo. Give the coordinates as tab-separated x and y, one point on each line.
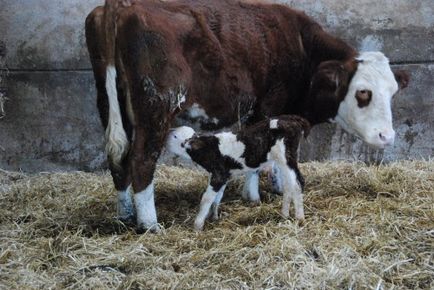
230	146
273	124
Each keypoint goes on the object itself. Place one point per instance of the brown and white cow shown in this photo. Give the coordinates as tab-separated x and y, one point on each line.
220	63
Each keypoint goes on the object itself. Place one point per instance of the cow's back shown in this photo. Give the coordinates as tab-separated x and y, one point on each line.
231	57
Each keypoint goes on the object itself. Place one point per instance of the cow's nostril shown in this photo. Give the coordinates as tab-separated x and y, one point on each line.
382	137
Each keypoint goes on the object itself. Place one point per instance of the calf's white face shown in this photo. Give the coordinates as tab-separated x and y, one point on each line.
176	140
366	108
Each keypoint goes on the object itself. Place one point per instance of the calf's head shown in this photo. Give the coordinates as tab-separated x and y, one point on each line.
357	95
176	140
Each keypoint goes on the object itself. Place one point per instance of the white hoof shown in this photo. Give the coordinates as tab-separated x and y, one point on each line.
198	226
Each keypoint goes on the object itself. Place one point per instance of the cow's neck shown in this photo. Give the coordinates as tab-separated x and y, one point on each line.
320	46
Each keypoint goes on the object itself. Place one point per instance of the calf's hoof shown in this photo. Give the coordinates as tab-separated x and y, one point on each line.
301	222
276	191
245	196
198	226
299	217
215	216
129	220
254	203
285	214
141	229
213	213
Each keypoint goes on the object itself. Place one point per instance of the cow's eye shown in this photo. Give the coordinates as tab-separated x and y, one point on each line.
363	98
174	136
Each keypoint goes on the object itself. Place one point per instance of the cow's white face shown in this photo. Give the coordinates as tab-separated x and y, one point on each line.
176	140
366	109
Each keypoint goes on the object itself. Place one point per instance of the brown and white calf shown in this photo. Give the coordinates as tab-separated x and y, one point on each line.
219	63
269	142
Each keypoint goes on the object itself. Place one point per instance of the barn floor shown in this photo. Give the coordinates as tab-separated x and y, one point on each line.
366	228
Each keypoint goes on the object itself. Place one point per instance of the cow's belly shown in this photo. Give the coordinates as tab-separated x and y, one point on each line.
211	116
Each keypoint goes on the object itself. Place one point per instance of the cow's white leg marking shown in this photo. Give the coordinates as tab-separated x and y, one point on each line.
125	208
251	187
205	204
216	203
145	209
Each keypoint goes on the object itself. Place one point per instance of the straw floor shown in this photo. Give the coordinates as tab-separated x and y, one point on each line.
367	227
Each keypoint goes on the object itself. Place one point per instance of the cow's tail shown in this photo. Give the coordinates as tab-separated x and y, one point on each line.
291	124
116	137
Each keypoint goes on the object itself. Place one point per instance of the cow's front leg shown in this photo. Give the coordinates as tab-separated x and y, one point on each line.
251	188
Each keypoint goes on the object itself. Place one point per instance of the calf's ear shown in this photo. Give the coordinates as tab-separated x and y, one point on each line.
403	78
196	144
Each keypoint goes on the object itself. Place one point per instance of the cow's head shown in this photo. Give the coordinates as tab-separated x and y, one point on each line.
357	95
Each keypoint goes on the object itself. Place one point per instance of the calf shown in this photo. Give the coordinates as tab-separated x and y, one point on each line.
272	141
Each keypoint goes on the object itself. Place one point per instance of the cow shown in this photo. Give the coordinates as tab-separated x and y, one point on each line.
219	63
269	142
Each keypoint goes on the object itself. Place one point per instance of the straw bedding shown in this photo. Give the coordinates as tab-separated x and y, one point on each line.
367	227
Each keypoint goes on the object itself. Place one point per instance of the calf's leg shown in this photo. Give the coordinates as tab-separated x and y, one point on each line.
251	187
291	191
215	205
276	180
210	196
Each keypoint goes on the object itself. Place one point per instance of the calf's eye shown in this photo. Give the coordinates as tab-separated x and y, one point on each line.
363	98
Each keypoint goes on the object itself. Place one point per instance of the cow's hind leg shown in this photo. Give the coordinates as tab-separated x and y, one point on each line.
121	179
109	93
153	71
148	141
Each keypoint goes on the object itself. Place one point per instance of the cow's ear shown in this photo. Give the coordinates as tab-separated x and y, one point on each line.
332	77
402	78
328	87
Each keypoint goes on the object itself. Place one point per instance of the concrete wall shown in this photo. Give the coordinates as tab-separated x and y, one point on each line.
51	121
